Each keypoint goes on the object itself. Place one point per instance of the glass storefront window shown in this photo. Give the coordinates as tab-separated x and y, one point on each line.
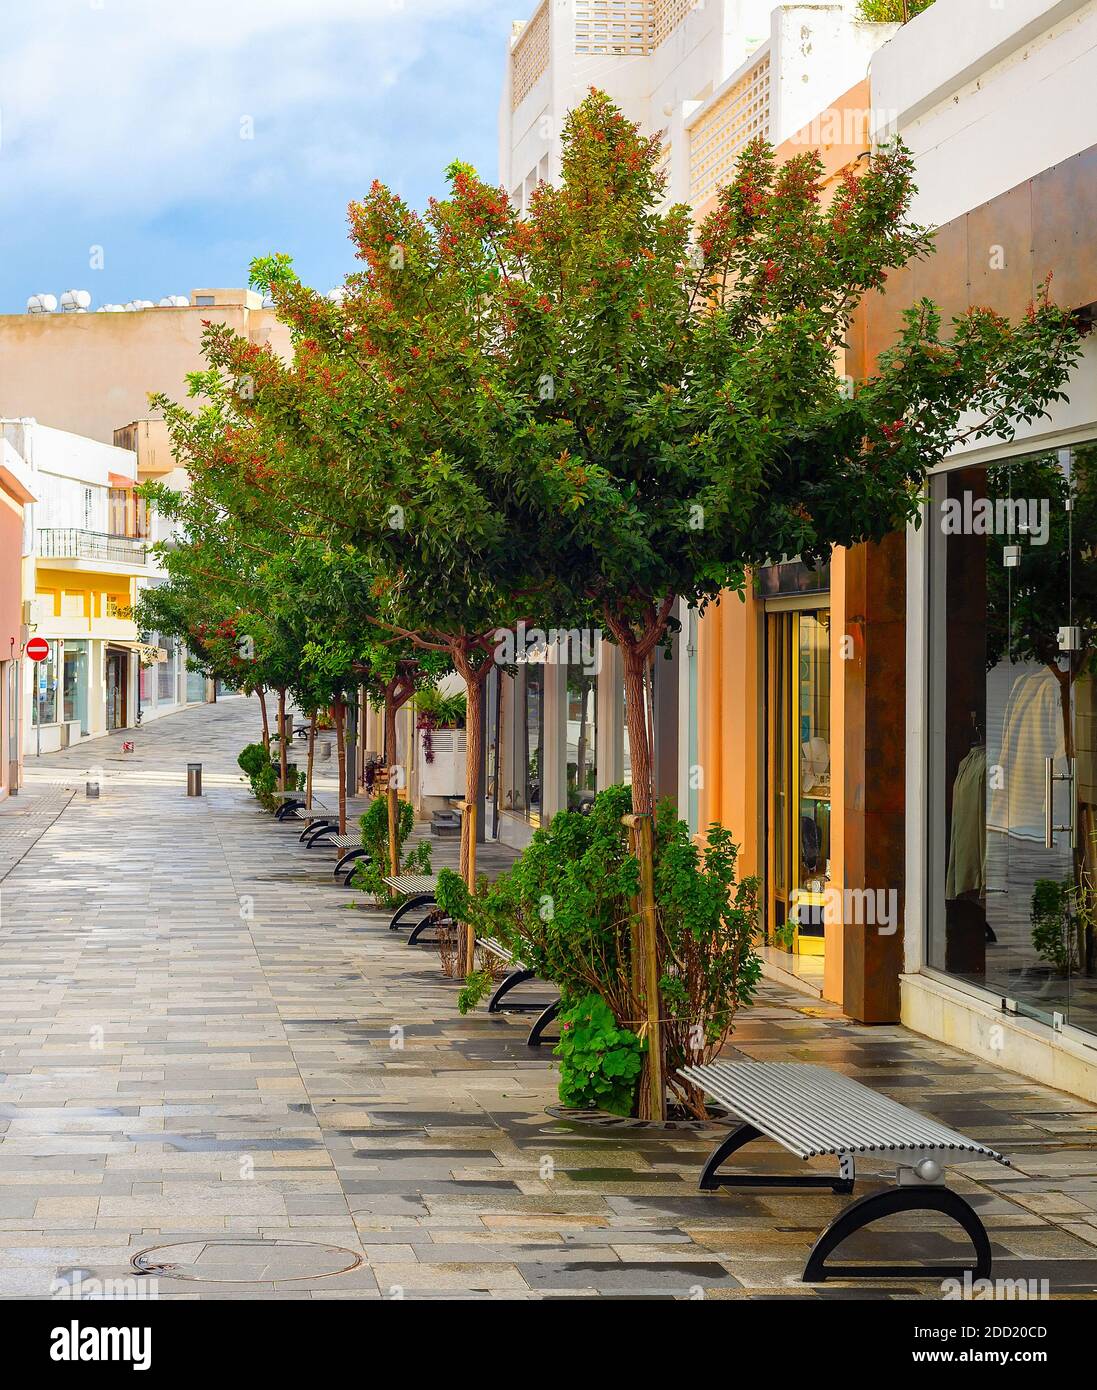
1013	721
75	701
146	675
165	673
45	677
534	737
582	736
521	692
196	686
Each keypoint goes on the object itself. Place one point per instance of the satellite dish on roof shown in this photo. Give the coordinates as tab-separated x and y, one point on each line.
41	304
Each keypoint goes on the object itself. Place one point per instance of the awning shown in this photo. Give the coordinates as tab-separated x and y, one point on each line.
121	480
149	655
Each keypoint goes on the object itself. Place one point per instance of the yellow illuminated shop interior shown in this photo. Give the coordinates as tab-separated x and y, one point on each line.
798	788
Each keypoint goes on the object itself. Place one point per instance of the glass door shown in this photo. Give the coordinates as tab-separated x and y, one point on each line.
798	736
1028	735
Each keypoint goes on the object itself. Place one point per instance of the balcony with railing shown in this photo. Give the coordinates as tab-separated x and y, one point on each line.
98	547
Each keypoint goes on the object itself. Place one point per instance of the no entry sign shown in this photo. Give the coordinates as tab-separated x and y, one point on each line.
38	649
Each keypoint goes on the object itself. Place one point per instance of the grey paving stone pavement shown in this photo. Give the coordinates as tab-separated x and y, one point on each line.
206	1048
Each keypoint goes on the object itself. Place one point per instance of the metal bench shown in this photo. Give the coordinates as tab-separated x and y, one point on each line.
519	975
351	849
420	890
813	1111
290	801
319	824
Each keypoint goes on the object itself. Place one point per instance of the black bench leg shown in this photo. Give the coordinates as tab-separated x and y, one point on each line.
347	858
711	1178
543	1021
516	977
880	1204
425	925
317	832
416	900
740	1135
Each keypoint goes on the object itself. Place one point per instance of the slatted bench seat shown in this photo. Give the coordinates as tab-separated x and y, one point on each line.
351	849
813	1112
419	890
519	975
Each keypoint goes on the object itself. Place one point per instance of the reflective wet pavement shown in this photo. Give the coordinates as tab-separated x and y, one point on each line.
204	1046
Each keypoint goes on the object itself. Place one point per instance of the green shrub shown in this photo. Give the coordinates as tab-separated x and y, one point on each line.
566	910
475	990
600	1063
374	825
263	775
253	759
891	11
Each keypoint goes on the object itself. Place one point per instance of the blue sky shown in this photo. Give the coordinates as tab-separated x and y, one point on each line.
121	125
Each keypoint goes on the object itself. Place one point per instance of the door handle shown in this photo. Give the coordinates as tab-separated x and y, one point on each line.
1050	778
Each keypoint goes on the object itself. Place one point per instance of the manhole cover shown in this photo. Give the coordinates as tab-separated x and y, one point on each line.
245	1261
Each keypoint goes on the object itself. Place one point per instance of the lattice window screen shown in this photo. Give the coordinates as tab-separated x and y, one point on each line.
718	138
530	56
614	26
668	15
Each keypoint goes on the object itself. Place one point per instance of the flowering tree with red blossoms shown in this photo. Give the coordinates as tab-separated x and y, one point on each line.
595	410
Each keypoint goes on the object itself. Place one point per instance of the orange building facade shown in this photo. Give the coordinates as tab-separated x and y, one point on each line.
773	669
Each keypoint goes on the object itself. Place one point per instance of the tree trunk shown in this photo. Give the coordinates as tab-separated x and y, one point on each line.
392	795
644	936
637	724
311	758
282	750
340	710
266	722
474	678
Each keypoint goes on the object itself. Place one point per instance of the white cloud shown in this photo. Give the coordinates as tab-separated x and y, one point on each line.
116	105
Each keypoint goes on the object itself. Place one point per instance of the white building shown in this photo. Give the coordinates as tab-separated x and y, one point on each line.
84	545
706	75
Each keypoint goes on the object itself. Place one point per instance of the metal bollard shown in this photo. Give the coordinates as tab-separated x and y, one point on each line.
194	779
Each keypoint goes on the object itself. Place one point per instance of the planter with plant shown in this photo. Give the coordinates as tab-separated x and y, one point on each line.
566	909
439	722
